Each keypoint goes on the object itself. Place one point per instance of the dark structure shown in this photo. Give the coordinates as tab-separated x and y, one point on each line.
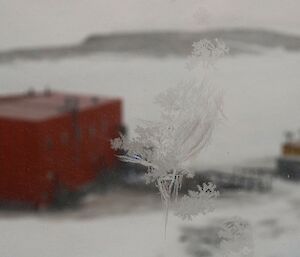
289	162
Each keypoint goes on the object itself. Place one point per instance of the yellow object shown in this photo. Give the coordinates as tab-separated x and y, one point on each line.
291	149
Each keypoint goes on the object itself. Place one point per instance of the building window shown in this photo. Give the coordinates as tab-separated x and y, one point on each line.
103	127
78	134
64	138
50	175
49	143
92	131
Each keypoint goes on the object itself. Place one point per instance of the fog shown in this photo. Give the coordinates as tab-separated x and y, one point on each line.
25	23
133	50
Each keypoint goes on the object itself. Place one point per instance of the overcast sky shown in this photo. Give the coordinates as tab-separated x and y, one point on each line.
50	22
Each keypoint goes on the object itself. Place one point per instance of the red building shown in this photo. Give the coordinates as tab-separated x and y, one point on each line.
51	140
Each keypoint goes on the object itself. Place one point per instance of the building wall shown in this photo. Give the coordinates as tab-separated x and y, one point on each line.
69	151
20	177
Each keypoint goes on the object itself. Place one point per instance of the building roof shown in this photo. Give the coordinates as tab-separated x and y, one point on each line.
34	106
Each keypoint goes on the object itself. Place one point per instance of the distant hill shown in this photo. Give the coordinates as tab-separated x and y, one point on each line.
161	44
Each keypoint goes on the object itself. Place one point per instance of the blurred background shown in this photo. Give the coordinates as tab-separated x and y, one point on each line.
83	71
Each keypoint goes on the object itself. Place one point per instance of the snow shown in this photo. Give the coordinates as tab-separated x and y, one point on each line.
273	217
36	23
261	101
261	94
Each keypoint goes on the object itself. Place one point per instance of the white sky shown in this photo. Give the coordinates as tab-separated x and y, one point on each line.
48	22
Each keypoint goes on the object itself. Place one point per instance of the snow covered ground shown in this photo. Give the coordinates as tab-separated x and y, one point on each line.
138	232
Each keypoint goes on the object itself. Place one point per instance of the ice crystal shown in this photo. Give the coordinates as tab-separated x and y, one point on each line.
236	238
207	52
197	202
201	15
189	115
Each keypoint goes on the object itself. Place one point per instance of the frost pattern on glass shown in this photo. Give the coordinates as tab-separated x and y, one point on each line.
197	202
206	52
201	16
236	238
189	115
